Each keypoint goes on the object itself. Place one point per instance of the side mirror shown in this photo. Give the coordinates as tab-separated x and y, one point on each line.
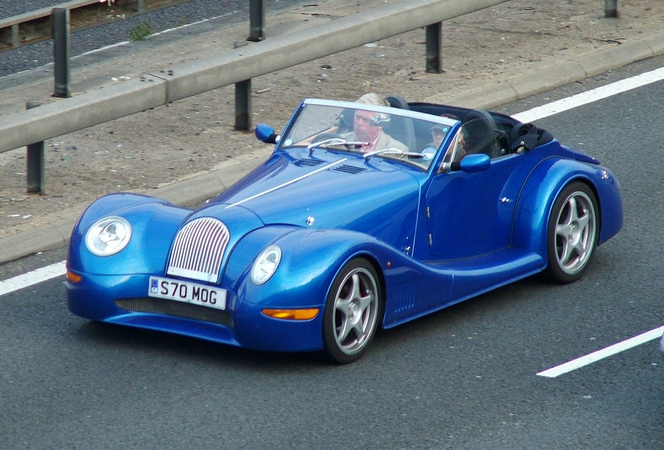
477	162
265	133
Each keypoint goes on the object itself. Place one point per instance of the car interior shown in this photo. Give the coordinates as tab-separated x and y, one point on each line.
492	133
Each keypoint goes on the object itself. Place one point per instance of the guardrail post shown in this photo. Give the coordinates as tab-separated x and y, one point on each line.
243	105
35	162
256	20
611	8
434	39
141	6
16	36
60	19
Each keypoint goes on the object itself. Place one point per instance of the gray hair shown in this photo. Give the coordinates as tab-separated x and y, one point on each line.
372	98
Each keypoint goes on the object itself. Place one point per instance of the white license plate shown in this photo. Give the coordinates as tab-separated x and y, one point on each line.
186	292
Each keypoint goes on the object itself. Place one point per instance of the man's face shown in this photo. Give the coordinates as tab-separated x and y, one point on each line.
437	136
364	131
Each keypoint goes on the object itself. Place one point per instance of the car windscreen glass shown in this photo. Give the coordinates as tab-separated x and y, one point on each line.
372	131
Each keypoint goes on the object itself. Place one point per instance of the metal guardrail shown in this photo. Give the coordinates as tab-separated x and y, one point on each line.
236	66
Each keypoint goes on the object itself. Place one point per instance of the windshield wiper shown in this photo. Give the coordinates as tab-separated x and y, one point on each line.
392	151
334	141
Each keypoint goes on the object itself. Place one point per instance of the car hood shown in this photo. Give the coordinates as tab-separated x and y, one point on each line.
339	193
336	191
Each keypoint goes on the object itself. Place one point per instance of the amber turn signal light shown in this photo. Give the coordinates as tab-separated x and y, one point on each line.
292	314
71	276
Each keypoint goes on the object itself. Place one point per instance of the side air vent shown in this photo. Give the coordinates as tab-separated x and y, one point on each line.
349	169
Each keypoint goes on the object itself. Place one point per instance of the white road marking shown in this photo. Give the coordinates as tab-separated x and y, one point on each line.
594	95
180	28
603	353
30	278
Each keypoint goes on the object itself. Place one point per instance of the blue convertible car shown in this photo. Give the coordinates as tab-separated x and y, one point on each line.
362	217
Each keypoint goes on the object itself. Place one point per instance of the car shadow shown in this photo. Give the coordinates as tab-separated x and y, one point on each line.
183	347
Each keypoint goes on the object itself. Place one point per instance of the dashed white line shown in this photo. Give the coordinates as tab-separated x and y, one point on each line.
603	353
180	28
594	95
30	278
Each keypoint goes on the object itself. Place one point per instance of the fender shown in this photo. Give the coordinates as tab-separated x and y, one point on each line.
154	222
114	204
311	259
546	181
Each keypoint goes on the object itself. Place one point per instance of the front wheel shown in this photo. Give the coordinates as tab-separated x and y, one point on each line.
352	312
572	233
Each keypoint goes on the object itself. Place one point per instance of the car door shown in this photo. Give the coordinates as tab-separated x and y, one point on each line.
470	214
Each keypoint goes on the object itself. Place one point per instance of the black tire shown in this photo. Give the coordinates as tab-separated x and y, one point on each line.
352	312
572	233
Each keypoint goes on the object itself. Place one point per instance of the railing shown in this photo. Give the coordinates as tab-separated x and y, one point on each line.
231	67
238	66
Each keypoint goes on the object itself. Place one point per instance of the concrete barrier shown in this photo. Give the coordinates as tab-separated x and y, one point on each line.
75	113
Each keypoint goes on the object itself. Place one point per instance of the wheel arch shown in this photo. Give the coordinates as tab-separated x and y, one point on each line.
600	207
547	181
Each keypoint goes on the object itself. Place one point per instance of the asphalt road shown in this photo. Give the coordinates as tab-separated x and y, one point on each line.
465	377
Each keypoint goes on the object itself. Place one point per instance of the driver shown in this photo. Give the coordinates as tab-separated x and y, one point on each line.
367	128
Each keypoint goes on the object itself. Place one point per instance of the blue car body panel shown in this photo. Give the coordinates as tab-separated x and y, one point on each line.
435	236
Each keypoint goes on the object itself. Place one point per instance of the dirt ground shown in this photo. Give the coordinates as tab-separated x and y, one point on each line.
162	145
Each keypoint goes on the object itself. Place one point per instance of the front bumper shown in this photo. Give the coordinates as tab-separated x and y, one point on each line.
124	300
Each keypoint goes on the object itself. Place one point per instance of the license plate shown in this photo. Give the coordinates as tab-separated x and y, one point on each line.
186	292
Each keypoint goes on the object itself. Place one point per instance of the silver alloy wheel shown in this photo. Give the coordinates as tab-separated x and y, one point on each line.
355	310
575	232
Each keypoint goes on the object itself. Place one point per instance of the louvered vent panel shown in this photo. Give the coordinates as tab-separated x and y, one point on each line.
308	162
349	169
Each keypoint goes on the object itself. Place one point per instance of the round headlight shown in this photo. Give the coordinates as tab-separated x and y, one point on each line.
266	264
108	236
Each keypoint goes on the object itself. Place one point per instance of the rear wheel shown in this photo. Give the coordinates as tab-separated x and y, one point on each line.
572	233
352	312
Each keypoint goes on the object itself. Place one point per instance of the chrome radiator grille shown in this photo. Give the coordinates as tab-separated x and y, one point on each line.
198	250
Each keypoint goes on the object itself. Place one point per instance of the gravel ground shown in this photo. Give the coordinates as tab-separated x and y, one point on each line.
191	136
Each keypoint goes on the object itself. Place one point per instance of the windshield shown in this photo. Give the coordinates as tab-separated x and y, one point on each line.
384	132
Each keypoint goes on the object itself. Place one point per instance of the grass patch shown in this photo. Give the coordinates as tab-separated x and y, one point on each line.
141	31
